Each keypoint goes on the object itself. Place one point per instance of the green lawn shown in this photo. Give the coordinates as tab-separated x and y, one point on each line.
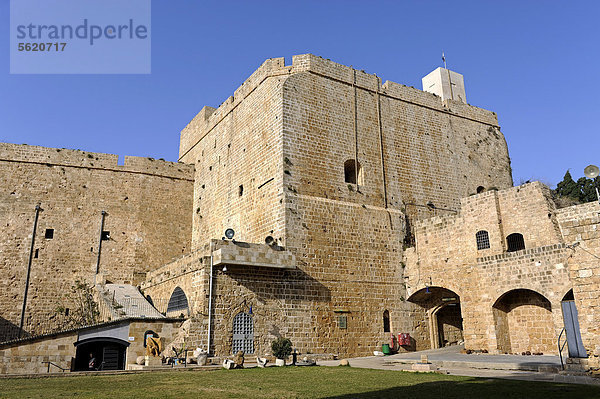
288	382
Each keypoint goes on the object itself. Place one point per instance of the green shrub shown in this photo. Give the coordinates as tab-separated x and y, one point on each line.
282	348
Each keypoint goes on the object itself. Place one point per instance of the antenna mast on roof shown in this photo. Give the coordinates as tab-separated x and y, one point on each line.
444	60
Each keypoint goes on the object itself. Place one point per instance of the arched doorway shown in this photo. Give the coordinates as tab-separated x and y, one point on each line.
243	333
523	322
571	323
108	352
444	318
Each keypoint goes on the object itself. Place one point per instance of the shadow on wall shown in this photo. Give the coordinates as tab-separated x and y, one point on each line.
9	331
280	284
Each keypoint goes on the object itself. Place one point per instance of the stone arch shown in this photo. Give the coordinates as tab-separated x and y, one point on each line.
444	317
515	242
568	296
178	303
523	322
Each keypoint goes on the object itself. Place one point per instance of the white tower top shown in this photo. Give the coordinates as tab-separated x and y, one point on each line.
445	83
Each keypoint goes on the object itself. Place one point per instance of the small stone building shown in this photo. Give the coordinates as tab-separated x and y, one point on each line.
508	272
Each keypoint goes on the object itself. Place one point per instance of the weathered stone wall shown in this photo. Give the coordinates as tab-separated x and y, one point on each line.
149	205
510	302
581	224
285	136
237	151
167	330
187	273
28	358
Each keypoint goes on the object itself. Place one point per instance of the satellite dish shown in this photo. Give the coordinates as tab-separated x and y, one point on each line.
269	240
591	171
229	233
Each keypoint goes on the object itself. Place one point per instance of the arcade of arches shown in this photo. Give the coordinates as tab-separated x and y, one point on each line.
522	320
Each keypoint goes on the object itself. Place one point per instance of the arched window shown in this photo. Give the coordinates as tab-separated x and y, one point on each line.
386	321
149	333
483	240
515	242
178	301
353	172
480	189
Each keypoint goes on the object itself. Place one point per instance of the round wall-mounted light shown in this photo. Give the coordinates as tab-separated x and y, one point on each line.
591	171
229	233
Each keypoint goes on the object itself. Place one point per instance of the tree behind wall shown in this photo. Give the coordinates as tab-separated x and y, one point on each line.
569	192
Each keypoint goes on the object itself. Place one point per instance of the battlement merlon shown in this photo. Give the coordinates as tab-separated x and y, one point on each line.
23	153
209	117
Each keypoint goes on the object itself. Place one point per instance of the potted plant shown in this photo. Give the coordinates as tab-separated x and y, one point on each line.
282	348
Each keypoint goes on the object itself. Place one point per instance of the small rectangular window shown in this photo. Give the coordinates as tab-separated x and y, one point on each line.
37	253
49	234
483	240
343	321
105	235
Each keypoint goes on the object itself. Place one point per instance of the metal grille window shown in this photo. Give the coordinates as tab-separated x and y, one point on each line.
483	240
515	242
178	301
243	333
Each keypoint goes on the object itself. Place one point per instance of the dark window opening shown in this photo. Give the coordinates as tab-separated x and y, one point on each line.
483	240
67	310
178	301
353	172
37	252
105	235
480	189
49	234
343	321
241	190
515	242
151	334
569	296
386	321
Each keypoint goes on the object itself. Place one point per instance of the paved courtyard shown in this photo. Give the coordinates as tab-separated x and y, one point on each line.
450	361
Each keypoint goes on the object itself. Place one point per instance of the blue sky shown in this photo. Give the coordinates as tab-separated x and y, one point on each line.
532	62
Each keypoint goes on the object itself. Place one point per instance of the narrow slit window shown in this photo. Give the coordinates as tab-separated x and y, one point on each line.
483	240
386	321
241	190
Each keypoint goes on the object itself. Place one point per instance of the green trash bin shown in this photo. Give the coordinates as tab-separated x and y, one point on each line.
385	348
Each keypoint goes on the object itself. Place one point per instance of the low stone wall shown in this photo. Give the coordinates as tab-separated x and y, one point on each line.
28	357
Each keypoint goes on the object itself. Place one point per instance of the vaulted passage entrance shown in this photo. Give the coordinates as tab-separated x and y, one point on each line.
523	322
444	319
108	354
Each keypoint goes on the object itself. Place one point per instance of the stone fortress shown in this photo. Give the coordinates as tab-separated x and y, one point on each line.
360	209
